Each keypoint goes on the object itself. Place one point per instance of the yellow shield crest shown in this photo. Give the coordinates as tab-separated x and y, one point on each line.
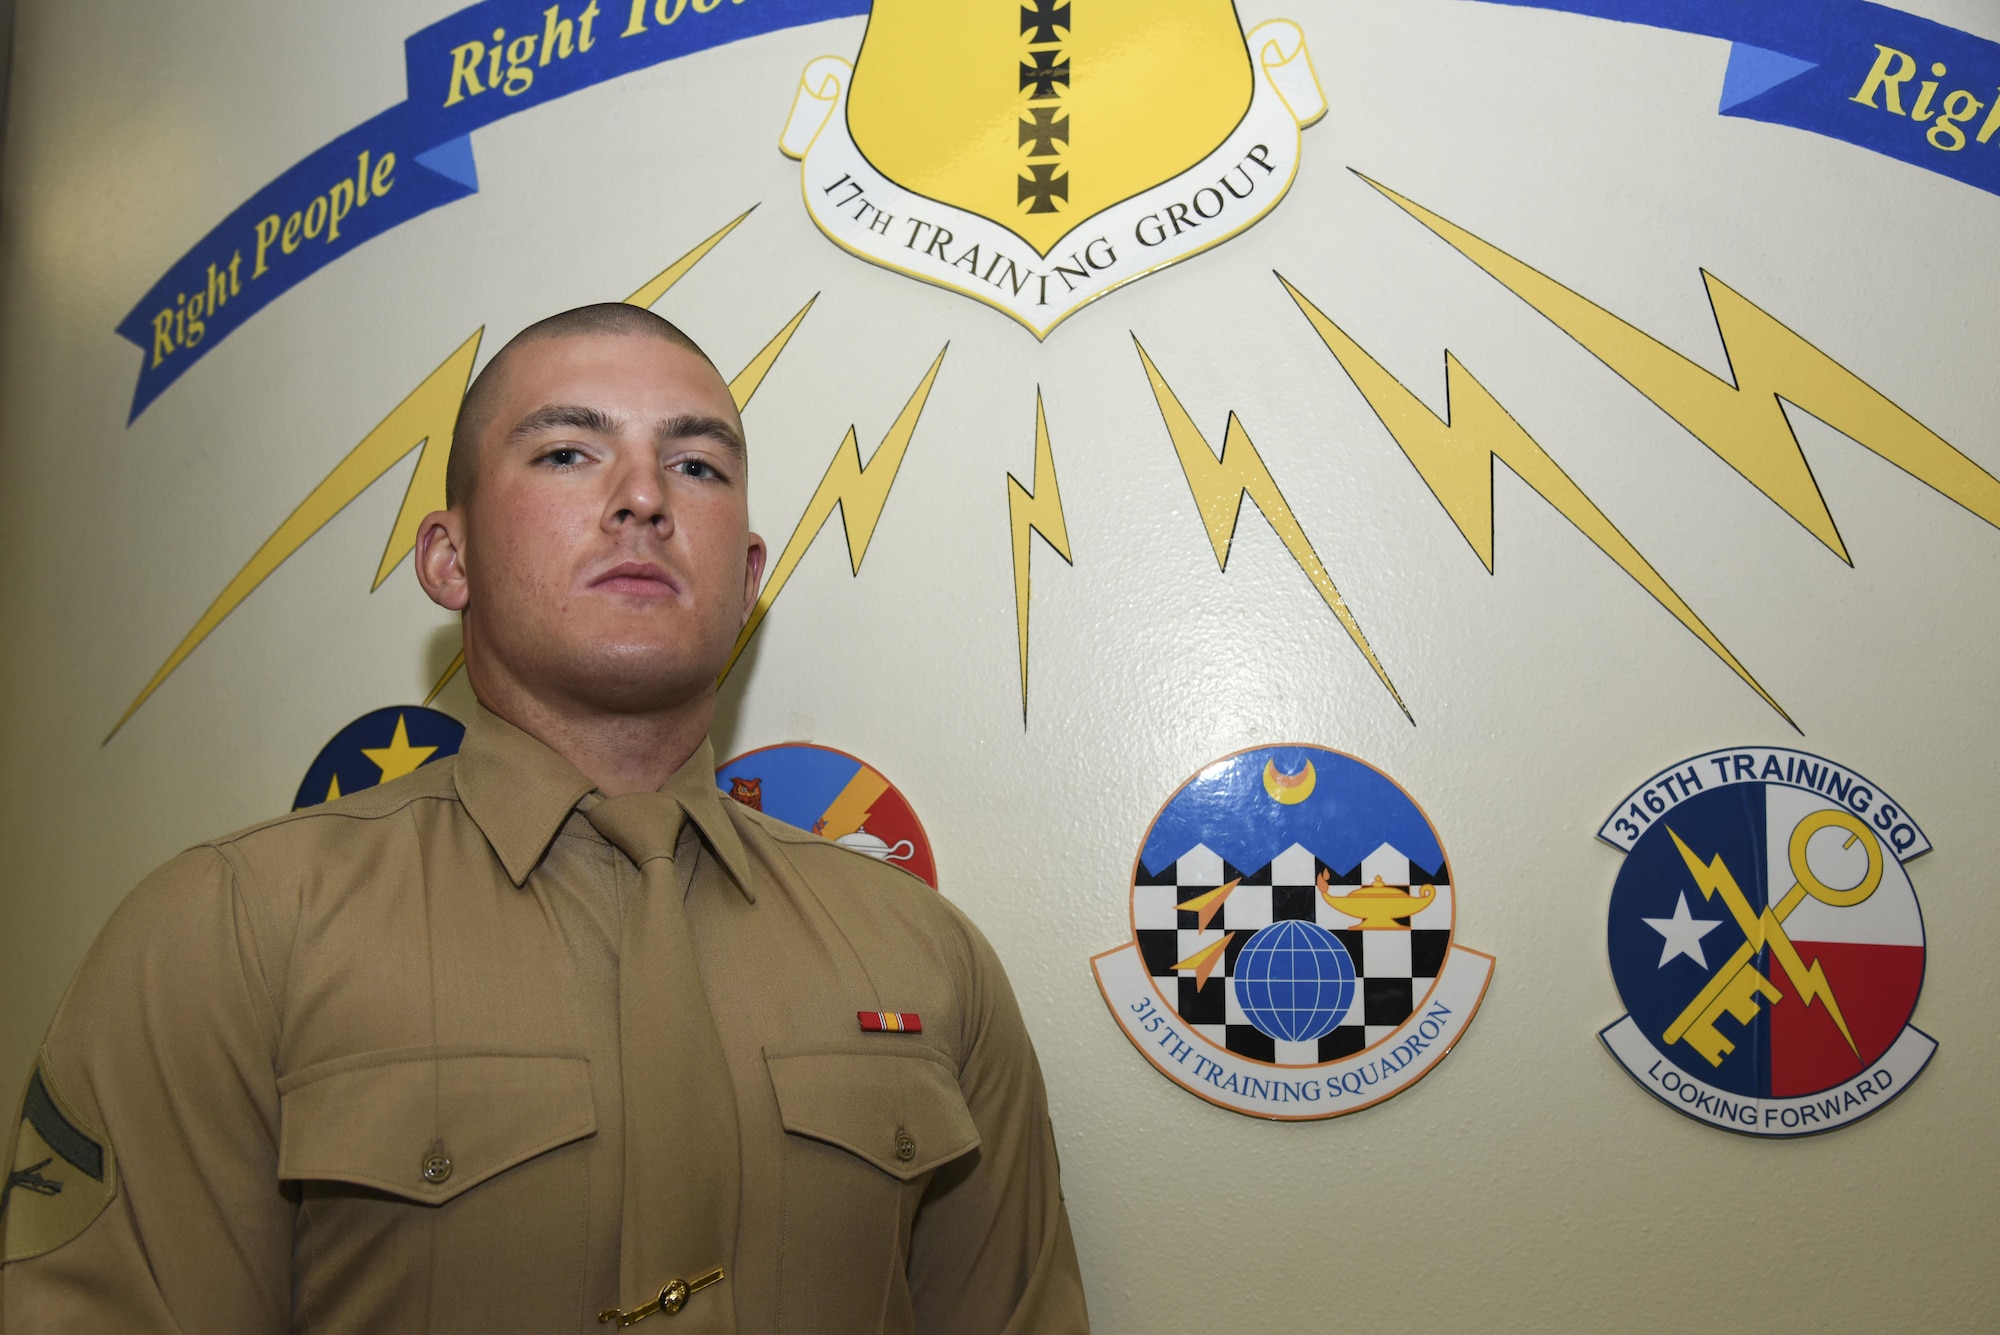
1037	114
1036	154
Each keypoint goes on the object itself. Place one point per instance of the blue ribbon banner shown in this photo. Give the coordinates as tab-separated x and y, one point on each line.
1862	73
1859	72
485	62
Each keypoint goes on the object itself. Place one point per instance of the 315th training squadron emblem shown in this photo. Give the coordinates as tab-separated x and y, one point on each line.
1292	953
1035	154
1767	941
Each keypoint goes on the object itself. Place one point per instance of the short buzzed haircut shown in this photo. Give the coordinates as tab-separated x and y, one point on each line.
604	317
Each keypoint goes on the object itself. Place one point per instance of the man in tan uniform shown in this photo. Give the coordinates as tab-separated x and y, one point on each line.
548	1036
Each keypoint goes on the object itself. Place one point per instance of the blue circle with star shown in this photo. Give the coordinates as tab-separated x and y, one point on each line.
381	745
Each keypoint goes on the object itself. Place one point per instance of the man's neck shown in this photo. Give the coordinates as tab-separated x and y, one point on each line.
619	752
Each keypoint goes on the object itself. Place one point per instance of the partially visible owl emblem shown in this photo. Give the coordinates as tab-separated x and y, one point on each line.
750	792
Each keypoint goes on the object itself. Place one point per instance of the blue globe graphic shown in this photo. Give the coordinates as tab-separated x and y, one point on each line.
1294	980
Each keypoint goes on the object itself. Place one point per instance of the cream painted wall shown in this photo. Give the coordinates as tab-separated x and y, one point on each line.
1527	1184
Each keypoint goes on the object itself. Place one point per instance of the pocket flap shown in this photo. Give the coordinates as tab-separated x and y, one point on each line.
427	1126
902	1112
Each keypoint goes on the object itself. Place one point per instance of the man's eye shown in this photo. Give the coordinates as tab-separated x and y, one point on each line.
563	456
696	468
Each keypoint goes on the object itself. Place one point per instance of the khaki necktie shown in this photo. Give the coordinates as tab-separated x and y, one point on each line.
681	1166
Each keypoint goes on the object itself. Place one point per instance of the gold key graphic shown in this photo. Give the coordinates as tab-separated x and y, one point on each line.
1737	985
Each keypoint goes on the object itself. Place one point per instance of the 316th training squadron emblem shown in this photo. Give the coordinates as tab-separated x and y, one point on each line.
1292	953
1035	154
1767	941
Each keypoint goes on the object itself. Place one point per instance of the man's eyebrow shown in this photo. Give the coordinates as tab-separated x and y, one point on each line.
689	427
572	415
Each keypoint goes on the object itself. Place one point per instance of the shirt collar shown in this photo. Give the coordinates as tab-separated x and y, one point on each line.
693	786
519	792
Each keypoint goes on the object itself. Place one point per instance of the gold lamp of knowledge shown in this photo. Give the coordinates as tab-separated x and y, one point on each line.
1737	987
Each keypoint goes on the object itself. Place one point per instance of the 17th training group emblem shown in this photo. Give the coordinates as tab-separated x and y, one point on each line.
1035	154
1293	953
1767	941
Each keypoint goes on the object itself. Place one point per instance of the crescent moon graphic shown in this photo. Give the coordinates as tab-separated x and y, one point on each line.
1289	789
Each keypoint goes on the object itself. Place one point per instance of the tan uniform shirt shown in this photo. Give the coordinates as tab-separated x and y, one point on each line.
279	1033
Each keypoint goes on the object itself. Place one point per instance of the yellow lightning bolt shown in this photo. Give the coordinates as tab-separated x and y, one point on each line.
859	490
850	810
744	386
1041	511
1205	906
649	294
426	415
1203	961
1456	456
423	420
1219	486
1743	423
1808	980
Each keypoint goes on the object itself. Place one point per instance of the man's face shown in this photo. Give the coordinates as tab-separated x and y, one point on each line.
606	551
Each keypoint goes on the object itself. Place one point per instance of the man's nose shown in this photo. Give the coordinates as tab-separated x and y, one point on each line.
639	495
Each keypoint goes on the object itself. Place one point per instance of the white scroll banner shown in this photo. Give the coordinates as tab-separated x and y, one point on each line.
1886	1077
1294	1093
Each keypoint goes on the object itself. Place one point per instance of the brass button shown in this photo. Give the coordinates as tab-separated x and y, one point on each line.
437	1168
906	1149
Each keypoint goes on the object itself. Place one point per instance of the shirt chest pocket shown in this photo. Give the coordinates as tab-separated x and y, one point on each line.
428	1126
422	1173
865	1134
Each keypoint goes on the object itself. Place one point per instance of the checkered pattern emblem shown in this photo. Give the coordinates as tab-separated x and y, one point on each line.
1394	967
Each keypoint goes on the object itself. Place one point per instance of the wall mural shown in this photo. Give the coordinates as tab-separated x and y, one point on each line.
1051	166
1159	219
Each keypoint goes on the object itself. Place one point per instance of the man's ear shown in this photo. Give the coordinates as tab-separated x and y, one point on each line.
753	574
441	559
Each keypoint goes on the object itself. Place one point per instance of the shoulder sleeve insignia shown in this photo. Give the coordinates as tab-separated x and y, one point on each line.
61	1178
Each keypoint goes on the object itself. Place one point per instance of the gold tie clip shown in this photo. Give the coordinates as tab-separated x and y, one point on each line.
669	1299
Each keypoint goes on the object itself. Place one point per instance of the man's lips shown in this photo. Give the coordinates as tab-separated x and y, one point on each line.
639	578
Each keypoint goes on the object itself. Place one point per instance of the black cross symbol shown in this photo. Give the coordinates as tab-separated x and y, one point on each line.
1044	130
1045	187
1045	73
1043	18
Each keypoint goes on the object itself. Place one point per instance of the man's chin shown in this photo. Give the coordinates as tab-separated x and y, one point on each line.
604	671
639	684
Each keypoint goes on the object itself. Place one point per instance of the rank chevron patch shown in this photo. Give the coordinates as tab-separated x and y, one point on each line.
60	1179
